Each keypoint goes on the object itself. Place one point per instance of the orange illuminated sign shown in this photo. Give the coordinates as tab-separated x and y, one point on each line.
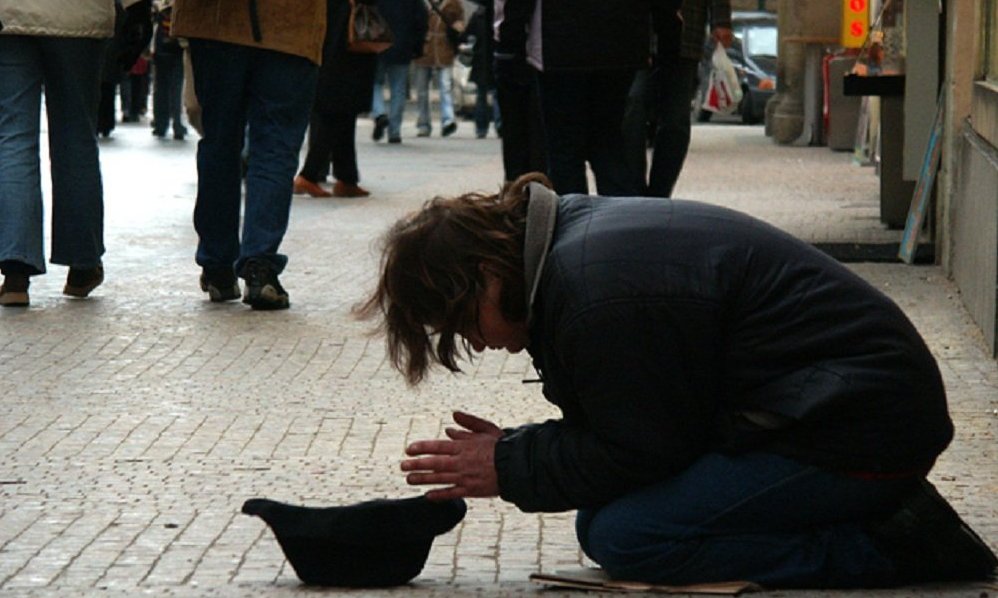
855	22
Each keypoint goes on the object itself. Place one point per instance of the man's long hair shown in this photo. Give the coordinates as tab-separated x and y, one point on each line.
431	274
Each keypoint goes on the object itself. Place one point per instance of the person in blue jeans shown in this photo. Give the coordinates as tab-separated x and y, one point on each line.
58	49
255	68
168	82
408	21
735	404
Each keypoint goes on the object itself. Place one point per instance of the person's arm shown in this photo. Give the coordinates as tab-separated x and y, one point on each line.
640	410
720	22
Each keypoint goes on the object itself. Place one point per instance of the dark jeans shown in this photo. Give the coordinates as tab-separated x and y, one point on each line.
756	517
522	126
68	69
674	83
331	139
168	86
272	93
583	113
484	113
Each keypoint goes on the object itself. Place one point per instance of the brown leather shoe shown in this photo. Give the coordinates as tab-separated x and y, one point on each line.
14	291
341	189
303	186
81	281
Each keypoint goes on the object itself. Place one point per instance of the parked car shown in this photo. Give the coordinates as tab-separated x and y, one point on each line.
753	53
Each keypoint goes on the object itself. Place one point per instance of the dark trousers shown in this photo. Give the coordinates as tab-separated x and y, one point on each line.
674	82
331	137
583	113
167	103
522	127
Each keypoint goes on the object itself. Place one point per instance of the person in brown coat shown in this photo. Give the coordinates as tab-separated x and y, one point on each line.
436	62
255	66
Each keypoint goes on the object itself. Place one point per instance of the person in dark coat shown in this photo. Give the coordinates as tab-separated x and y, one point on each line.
344	90
482	57
735	404
409	21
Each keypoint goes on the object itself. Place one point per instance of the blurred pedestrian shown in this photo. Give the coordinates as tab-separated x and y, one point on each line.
523	146
674	82
586	53
254	65
408	20
482	57
168	76
344	90
58	48
437	64
135	90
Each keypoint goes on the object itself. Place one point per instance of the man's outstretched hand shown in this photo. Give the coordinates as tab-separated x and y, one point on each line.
463	463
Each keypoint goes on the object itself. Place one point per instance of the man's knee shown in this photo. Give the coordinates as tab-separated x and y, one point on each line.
625	551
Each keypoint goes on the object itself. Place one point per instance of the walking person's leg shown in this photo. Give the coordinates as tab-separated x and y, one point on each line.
317	158
675	83
634	131
72	93
220	77
566	122
160	96
421	81
176	87
447	123
344	132
607	98
281	90
378	114
398	79
21	245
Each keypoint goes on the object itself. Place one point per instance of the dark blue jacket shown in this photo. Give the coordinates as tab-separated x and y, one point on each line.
408	20
665	330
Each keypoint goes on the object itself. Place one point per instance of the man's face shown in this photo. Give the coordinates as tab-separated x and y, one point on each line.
491	329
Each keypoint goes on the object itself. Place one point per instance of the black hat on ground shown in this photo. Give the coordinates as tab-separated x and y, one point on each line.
378	543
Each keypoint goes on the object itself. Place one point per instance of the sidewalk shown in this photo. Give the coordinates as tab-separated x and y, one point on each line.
134	424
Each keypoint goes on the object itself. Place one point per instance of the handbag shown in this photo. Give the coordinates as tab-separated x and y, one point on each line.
367	30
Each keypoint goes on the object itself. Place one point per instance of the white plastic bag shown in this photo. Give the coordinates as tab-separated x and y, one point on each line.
724	91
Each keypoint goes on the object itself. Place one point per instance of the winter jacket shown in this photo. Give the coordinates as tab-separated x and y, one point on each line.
665	330
408	22
575	34
437	51
296	27
58	18
346	79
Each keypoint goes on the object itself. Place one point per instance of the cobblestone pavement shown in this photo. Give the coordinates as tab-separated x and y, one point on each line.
133	424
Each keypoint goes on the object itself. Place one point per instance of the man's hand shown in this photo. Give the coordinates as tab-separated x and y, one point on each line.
464	463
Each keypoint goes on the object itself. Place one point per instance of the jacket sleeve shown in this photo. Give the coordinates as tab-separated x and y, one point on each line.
637	403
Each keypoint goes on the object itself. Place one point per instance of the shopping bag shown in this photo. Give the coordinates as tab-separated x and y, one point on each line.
724	91
367	30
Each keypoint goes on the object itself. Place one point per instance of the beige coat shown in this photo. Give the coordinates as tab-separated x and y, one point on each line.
437	51
295	27
58	18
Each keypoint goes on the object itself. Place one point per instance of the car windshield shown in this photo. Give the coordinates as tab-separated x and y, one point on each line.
760	41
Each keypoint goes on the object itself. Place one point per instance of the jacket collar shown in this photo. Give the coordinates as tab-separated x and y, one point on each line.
542	211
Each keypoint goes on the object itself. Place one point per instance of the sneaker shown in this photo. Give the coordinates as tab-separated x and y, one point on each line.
380	124
341	189
449	129
424	132
927	541
14	290
220	284
81	281
263	289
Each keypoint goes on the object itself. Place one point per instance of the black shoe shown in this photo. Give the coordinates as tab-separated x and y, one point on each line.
220	284
449	129
159	134
14	290
380	124
179	136
395	139
81	281
263	289
927	541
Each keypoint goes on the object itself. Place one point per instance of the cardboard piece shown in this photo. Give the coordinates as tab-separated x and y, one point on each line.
595	579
